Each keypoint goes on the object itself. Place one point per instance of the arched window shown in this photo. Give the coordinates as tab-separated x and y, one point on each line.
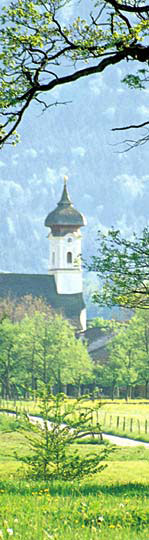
69	239
69	257
53	258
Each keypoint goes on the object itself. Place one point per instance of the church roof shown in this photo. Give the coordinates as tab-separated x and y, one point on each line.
40	285
65	214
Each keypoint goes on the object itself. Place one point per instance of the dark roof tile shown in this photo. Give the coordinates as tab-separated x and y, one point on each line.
65	213
40	285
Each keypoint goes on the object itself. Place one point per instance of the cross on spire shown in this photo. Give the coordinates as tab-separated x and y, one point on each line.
65	180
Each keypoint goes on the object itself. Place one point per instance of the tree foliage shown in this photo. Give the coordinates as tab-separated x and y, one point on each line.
127	363
40	51
141	321
39	348
123	267
123	361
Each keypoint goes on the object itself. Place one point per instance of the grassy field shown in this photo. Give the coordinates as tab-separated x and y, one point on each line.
112	505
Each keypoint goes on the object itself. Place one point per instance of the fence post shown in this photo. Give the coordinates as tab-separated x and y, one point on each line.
145	426
124	423
64	407
117	421
110	420
131	425
97	416
138	422
92	423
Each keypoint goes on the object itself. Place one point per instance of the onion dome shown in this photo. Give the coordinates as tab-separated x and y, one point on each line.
65	214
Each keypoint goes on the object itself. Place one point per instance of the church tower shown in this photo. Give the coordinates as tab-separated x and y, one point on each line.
65	245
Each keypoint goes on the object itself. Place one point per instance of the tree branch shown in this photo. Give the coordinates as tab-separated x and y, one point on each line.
20	115
37	88
85	72
131	126
128	7
28	70
45	106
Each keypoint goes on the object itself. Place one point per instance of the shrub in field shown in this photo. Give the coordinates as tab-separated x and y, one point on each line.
9	423
51	440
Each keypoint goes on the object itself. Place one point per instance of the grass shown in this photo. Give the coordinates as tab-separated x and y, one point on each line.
128	420
68	512
112	505
130	408
30	406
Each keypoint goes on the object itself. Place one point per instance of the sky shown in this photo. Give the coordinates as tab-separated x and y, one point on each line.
109	186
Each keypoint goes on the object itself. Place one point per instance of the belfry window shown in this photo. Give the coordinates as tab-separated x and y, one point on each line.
53	258
69	257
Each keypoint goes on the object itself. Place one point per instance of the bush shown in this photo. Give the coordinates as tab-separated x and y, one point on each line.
9	423
52	438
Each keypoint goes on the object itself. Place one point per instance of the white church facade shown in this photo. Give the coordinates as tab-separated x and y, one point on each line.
62	287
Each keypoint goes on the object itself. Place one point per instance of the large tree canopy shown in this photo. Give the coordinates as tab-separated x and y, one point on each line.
40	51
123	267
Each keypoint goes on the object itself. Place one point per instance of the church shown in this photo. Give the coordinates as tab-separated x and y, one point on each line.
62	286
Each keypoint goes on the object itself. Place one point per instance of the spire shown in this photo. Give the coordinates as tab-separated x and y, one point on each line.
65	199
65	180
65	214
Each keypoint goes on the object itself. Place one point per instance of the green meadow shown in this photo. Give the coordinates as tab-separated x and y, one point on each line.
111	505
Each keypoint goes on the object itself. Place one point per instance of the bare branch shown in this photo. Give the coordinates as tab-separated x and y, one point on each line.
17	122
111	60
37	88
128	7
131	126
134	143
55	103
125	19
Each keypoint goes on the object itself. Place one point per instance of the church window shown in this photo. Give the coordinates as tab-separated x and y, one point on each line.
53	257
69	239
69	257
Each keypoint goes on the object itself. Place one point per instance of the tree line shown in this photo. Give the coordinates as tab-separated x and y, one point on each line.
39	347
126	364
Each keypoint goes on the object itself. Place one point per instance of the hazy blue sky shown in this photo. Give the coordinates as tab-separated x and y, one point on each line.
109	187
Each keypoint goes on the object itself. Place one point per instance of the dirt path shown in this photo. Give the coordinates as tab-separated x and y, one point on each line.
113	439
123	441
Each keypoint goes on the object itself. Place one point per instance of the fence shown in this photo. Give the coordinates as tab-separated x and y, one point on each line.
121	423
124	424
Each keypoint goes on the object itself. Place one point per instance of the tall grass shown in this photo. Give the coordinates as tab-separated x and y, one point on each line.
59	512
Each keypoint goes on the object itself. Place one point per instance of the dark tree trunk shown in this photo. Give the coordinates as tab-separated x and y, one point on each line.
59	383
146	389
